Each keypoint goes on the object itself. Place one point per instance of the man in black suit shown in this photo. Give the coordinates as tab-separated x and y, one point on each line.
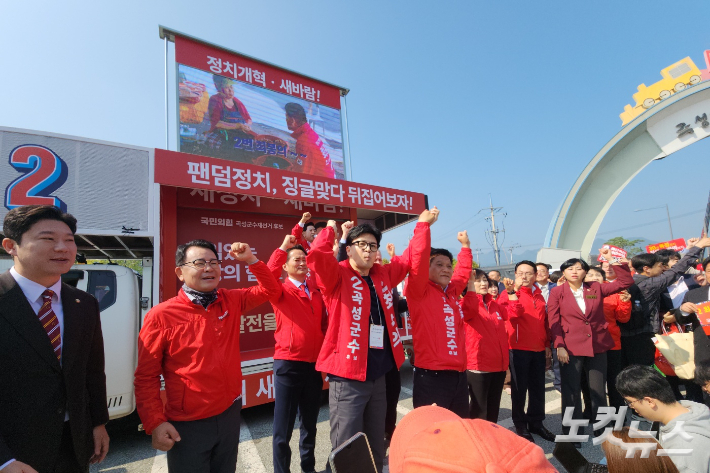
52	381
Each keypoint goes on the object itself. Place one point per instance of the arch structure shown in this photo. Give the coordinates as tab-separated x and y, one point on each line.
667	127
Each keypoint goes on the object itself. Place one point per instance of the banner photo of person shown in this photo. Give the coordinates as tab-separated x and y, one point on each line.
227	118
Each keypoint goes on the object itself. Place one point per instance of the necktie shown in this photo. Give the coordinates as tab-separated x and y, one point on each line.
304	288
50	323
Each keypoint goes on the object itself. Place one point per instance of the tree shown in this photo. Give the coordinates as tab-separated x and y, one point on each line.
628	245
134	264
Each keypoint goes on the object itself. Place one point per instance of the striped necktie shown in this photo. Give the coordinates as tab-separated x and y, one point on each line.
50	323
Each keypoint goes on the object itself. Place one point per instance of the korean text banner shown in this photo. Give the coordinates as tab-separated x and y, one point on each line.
199	172
237	108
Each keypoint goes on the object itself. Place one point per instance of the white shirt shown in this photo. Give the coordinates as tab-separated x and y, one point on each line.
298	285
545	288
33	292
579	296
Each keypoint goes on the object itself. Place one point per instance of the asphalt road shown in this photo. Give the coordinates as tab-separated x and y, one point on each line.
131	451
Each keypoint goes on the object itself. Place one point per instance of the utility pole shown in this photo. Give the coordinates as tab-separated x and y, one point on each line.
477	251
511	248
492	234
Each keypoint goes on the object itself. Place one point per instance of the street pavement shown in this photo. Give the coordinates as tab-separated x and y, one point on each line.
131	451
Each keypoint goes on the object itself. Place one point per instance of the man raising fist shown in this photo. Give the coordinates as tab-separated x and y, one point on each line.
192	339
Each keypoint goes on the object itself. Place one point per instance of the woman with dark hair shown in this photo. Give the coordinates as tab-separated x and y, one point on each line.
580	332
486	347
617	308
229	120
615	448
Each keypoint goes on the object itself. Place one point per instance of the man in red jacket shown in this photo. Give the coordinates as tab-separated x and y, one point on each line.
313	158
304	231
193	341
438	330
529	339
301	320
362	343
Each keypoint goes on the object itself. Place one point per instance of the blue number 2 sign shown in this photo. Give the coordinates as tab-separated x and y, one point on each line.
43	173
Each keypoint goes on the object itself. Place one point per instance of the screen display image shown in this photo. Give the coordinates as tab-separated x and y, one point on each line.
226	118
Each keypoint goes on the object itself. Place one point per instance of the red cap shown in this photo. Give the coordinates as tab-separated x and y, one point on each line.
433	439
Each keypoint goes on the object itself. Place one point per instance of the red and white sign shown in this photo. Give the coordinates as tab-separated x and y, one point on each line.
228	64
616	252
199	172
704	316
676	245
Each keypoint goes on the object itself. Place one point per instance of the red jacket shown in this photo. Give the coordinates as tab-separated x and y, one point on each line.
438	330
527	320
584	334
486	333
196	351
297	231
347	298
313	156
616	310
300	321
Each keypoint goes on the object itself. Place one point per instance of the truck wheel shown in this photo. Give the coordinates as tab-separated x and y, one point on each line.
679	86
664	94
648	103
694	80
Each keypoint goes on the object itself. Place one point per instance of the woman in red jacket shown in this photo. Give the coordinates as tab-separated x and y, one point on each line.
486	347
580	332
617	308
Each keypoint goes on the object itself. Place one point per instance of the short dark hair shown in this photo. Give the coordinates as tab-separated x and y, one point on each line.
572	261
308	224
702	372
639	381
555	276
293	248
295	111
666	255
529	263
320	225
359	230
182	249
479	273
20	219
548	266
494	271
644	259
440	251
599	270
705	263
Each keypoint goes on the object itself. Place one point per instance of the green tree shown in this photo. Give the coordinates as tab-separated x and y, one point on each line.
134	264
628	245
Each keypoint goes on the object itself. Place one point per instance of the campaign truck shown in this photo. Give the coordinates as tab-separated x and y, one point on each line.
139	204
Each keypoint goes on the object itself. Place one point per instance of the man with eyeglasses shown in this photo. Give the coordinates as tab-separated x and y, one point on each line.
192	339
530	353
685	425
362	343
301	321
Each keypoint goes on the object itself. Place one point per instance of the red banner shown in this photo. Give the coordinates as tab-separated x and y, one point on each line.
199	172
676	245
616	252
704	316
238	67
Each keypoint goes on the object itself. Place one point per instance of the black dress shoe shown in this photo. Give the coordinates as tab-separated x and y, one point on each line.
542	431
524	433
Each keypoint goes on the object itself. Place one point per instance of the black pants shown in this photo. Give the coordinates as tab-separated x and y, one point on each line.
638	349
393	384
359	406
693	392
207	445
594	367
297	388
67	462
446	388
527	370
614	365
485	390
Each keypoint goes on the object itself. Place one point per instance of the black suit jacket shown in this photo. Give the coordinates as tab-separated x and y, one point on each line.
35	391
700	340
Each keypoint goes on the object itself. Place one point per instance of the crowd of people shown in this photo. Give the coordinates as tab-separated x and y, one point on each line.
337	312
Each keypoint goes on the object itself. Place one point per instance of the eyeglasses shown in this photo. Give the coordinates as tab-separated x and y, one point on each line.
631	403
200	263
364	245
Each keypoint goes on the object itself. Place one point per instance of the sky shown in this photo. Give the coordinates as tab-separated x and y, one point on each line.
464	101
